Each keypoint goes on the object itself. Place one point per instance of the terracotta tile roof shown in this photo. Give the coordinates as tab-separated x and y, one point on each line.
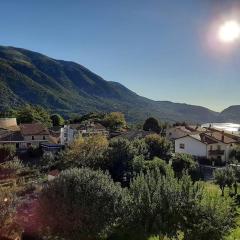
54	173
99	126
10	136
133	134
76	126
221	137
206	139
33	129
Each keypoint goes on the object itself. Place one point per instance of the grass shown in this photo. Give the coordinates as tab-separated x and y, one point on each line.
235	233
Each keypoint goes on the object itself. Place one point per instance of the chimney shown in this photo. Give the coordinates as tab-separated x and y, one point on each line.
222	136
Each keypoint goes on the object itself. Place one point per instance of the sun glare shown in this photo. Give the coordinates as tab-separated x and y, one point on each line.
229	32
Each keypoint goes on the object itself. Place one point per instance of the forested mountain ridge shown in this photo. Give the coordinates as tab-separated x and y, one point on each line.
68	87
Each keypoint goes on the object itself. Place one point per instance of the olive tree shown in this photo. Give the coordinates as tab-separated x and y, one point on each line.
158	146
225	177
81	204
163	205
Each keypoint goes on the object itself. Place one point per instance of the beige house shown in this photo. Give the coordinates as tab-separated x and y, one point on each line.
34	134
24	135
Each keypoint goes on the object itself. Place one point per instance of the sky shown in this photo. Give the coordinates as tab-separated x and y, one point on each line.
160	49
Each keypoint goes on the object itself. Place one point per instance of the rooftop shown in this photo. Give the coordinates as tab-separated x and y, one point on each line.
33	129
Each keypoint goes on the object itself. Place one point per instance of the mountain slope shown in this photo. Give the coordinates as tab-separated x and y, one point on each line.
68	87
230	114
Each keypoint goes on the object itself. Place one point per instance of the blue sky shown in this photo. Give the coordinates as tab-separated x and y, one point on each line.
161	49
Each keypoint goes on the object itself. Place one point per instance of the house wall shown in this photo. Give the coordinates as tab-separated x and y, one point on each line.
36	137
67	135
191	146
226	147
8	122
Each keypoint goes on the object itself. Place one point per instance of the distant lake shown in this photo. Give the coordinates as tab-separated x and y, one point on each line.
230	127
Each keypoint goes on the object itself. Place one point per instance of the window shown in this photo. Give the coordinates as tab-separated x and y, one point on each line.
44	138
32	137
219	147
182	145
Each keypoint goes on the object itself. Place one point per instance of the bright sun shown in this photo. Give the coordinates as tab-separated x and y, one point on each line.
229	32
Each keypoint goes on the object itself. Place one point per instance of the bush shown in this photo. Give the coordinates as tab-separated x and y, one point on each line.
142	165
7	208
34	152
16	165
86	152
183	162
158	146
164	205
7	152
87	204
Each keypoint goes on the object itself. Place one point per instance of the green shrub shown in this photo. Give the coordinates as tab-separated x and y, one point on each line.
81	204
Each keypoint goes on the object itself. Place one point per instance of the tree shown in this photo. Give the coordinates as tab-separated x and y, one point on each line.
8	112
142	165
140	147
152	124
114	120
86	152
158	146
235	153
220	179
183	162
87	204
120	154
31	113
164	205
225	177
57	120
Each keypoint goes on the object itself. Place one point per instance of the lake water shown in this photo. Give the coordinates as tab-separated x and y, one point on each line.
230	127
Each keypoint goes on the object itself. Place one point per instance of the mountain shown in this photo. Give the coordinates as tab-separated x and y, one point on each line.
230	114
67	87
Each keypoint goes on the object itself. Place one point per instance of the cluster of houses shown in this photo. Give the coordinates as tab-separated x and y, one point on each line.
71	131
27	135
203	142
23	136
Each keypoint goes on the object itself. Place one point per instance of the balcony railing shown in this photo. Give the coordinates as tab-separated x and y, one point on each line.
216	152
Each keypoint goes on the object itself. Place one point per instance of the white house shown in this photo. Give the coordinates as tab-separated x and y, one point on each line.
215	145
72	131
68	133
190	144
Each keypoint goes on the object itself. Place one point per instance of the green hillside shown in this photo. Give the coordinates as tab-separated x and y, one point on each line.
68	87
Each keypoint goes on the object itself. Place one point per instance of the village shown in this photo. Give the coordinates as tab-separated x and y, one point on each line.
208	145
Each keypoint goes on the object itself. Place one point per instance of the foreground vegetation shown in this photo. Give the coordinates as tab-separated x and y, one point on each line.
117	189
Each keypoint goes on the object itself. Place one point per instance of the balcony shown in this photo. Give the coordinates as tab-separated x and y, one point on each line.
216	152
